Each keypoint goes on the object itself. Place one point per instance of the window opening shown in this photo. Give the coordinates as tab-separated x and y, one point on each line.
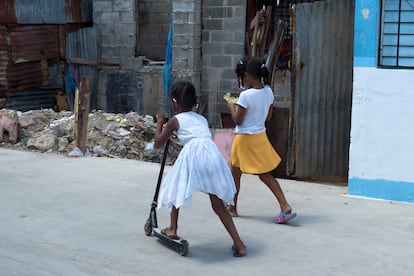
397	34
152	27
282	12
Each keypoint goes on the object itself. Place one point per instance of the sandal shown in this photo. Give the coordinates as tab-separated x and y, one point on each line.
164	232
236	252
284	217
232	213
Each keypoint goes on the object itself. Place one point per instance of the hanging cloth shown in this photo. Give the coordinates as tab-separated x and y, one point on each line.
167	70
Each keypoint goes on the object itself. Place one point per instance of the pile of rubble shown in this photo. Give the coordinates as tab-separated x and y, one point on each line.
113	135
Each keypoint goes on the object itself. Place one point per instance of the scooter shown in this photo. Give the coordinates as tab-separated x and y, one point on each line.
151	226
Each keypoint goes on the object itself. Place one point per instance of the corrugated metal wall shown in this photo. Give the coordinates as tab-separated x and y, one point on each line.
321	90
46	11
84	44
7	12
4	61
29	48
33	49
28	52
34	43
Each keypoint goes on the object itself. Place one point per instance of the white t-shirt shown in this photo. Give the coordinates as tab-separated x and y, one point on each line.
257	103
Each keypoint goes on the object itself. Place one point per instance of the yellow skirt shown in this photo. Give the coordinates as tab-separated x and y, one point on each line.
253	153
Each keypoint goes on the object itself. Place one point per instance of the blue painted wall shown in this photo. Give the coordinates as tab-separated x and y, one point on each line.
381	153
367	13
382	188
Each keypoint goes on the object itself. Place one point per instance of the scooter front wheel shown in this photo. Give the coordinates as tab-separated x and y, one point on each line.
183	250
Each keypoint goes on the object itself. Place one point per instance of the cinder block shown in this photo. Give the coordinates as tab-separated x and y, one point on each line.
213	24
128	28
220	61
102	6
110	17
181	40
183	29
126	51
222	36
123	5
183	6
127	40
127	17
233	49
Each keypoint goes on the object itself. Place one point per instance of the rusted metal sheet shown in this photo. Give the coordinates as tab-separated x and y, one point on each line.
83	44
32	59
277	130
31	99
74	9
7	12
46	11
34	43
30	49
4	60
35	88
27	75
321	90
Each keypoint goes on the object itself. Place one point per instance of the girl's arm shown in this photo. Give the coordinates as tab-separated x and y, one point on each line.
162	135
237	113
270	113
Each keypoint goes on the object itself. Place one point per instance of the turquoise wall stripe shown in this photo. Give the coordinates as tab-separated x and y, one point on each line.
366	33
382	189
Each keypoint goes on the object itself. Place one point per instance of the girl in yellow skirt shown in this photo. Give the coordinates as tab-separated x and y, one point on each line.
251	150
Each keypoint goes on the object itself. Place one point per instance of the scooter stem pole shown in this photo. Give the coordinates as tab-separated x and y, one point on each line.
164	158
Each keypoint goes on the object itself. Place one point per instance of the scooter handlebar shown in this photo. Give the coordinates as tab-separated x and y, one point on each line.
155	119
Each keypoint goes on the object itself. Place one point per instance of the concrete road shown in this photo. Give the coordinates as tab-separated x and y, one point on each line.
85	216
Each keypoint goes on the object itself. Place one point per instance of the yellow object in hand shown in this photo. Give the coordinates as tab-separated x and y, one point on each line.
228	98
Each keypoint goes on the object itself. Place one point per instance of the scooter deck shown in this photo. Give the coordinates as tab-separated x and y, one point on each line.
180	244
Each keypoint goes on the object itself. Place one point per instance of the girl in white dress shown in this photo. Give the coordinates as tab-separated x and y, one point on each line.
199	167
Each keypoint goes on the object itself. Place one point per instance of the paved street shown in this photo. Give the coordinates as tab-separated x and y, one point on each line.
85	216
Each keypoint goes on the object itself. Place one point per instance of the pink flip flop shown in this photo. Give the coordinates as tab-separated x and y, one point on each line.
284	217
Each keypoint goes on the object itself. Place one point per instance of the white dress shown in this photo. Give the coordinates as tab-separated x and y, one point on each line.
200	166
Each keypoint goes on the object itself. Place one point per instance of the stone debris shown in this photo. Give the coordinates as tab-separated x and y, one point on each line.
112	135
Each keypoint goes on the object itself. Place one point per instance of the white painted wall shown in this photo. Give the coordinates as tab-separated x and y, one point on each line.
382	130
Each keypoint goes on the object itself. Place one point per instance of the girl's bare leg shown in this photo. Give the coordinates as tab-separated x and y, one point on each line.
227	220
236	172
172	230
274	186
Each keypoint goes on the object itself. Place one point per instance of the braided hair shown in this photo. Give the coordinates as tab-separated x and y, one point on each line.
254	67
184	93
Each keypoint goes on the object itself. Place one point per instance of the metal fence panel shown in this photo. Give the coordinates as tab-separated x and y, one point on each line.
46	11
84	44
321	90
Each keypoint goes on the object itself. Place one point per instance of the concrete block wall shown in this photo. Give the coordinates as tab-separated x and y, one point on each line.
133	87
208	41
223	37
186	61
115	19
